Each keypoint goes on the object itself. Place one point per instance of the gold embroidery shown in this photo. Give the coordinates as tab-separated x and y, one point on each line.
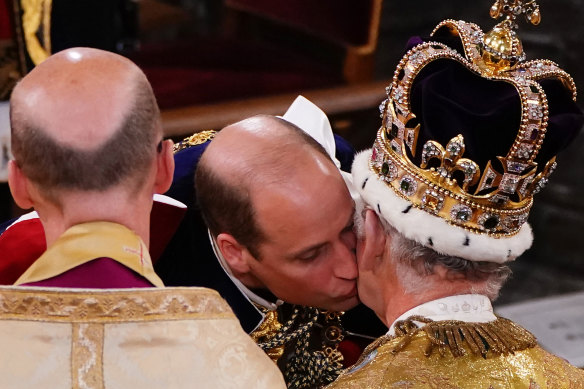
266	332
197	138
522	365
87	356
106	306
36	16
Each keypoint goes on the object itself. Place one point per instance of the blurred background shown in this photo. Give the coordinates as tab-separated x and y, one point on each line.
212	62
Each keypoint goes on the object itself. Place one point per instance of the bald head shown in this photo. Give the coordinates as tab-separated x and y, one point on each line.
78	97
263	149
84	119
247	157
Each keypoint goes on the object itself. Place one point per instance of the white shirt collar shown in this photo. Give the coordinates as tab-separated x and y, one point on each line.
243	289
465	307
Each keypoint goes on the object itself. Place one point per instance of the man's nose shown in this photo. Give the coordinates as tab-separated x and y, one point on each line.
345	260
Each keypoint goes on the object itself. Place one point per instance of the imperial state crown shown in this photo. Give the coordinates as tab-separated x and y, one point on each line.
470	132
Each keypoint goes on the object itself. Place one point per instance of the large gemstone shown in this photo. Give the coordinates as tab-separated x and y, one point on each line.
393	133
385	168
461	213
408	186
491	222
432	201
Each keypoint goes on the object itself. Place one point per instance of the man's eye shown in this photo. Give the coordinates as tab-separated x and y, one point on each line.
309	256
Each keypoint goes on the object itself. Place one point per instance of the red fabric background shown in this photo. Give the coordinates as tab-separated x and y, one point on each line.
5	22
345	21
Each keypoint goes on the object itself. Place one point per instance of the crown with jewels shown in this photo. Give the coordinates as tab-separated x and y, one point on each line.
488	191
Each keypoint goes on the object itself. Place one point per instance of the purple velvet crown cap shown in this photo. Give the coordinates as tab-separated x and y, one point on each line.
449	99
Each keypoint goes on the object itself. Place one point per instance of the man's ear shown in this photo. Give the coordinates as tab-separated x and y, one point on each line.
373	245
19	186
235	254
164	167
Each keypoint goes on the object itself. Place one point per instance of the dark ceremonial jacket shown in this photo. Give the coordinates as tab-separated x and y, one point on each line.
189	260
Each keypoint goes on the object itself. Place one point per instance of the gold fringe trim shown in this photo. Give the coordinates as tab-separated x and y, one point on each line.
499	337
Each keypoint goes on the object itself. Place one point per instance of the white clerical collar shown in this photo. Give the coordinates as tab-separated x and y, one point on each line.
465	307
251	296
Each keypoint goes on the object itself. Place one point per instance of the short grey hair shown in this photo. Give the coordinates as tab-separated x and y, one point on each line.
414	262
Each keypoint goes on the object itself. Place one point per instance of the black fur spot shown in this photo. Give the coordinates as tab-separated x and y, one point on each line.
508	253
364	183
378	208
466	241
407	209
430	242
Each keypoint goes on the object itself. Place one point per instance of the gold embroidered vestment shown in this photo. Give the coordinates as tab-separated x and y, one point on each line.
399	362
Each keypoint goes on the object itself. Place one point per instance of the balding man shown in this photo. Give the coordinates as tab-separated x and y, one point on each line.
88	157
280	218
251	214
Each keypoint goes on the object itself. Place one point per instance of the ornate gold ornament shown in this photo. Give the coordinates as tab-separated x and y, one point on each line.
498	337
266	331
196	139
499	203
36	24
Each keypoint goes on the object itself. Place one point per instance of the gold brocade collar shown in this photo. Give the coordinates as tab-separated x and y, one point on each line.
499	337
87	241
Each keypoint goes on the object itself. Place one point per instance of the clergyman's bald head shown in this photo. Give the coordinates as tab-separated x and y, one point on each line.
253	153
84	119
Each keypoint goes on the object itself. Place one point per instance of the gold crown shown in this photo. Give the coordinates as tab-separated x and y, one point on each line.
499	202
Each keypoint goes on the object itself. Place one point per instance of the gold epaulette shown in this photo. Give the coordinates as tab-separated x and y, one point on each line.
197	138
499	337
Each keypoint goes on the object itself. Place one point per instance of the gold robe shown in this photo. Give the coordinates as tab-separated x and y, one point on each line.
455	354
126	338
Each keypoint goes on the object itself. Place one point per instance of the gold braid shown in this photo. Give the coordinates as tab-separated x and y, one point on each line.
303	367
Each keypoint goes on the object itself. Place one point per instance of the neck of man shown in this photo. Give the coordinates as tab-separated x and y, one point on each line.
132	212
436	286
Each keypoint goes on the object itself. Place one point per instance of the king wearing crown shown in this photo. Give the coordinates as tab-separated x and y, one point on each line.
470	132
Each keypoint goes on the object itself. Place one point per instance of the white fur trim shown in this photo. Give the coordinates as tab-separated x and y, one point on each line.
422	227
